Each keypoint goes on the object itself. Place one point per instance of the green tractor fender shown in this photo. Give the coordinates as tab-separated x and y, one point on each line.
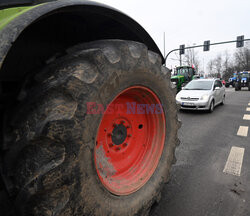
32	34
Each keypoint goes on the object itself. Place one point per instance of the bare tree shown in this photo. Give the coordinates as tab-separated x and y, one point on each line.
228	67
224	66
226	61
215	67
242	59
191	58
218	65
210	67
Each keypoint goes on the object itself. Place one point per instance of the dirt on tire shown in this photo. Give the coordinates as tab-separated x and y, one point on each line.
48	166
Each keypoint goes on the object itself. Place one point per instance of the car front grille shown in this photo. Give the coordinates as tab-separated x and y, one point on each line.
189	99
190	107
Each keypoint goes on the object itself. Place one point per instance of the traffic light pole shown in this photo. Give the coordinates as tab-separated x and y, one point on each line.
196	46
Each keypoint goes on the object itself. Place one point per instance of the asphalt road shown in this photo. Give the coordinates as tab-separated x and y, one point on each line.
198	186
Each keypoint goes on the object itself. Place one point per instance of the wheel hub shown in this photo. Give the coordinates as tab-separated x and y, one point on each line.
119	134
129	144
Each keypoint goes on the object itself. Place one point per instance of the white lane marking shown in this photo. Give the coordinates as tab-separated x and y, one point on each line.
248	109
242	131
246	117
234	161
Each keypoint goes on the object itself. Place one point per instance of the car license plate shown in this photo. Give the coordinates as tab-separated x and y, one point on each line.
187	104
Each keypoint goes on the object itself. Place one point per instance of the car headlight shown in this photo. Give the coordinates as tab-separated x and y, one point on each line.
204	97
178	97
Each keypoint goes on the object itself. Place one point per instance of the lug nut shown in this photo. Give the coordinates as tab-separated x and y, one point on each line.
130	135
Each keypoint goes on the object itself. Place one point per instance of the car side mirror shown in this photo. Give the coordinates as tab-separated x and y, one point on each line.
217	88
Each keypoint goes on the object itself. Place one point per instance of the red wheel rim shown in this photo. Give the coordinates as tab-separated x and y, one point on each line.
130	140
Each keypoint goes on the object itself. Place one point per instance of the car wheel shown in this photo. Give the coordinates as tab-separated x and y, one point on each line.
237	86
81	143
223	100
211	108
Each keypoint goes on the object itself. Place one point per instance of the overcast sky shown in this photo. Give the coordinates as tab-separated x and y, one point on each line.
190	22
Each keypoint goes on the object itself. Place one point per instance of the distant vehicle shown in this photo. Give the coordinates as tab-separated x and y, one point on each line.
201	94
182	75
231	81
243	80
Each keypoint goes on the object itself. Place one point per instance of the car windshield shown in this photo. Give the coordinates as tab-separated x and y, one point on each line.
199	85
245	75
182	71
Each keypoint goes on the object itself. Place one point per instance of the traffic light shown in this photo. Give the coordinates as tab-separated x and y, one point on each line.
182	49
240	41
206	45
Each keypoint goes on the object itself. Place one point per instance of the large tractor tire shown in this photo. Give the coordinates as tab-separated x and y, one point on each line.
94	133
237	86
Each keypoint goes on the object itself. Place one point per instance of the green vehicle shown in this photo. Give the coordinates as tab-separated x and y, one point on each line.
66	147
183	75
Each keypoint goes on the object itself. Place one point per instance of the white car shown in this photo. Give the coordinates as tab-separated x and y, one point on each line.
201	94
